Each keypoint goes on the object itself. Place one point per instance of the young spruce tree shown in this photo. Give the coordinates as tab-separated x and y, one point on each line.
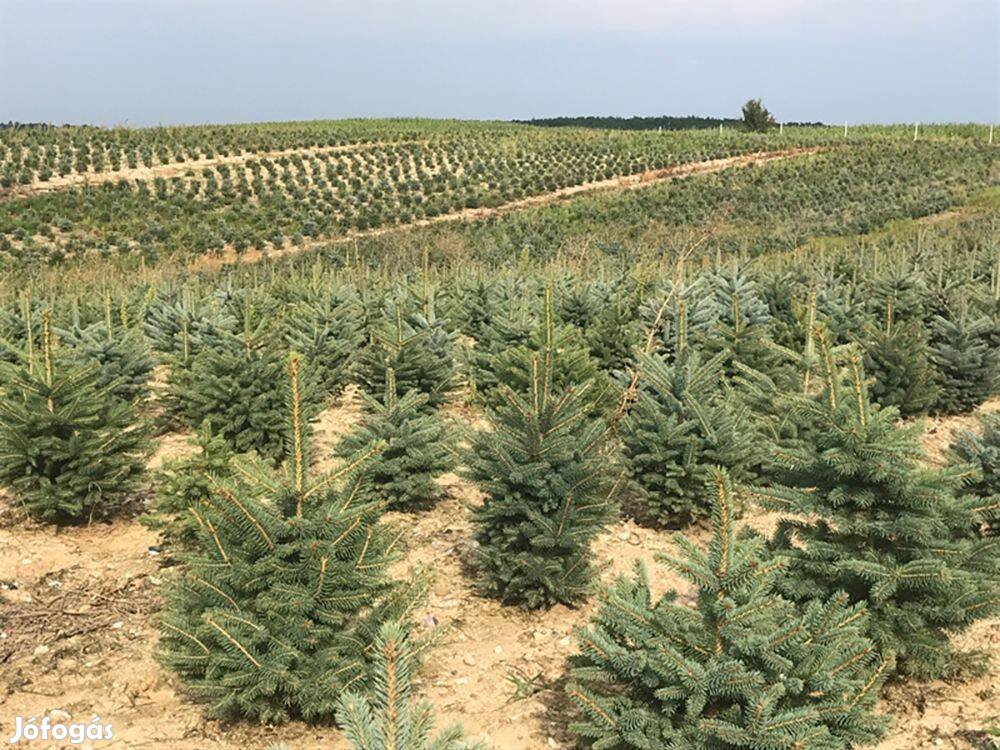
870	519
982	452
275	615
965	365
183	485
685	422
417	447
69	450
544	469
388	717
742	668
418	350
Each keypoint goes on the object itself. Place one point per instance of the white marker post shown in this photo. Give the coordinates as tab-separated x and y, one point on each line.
781	128
916	130
720	128
991	135
845	128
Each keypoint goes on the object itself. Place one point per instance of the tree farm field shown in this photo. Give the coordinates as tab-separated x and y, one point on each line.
448	434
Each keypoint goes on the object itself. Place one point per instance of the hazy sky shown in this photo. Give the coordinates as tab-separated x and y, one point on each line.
195	61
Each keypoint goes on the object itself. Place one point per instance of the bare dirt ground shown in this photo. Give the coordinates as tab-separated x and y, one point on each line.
75	634
228	254
177	169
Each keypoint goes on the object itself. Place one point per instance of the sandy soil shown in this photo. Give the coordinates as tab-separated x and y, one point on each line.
75	635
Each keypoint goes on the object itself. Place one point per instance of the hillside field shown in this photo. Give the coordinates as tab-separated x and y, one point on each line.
268	389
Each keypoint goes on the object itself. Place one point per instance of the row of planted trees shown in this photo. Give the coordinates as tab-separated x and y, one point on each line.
284	606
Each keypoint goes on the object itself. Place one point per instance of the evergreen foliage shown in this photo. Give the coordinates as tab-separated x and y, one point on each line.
897	359
731	316
574	366
982	452
966	368
871	520
544	469
275	615
183	486
123	358
418	350
509	326
756	117
417	447
324	327
389	718
69	451
237	385
184	326
742	668
684	422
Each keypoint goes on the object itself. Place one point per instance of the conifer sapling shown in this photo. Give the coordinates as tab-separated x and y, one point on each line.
417	447
275	614
740	668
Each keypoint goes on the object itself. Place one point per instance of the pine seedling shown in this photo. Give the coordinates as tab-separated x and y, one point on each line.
740	668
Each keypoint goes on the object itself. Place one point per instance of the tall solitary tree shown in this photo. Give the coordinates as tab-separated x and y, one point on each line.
756	117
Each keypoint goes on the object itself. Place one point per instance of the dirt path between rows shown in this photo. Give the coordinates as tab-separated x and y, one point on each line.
228	254
177	169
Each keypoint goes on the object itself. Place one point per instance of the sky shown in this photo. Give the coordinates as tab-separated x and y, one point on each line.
149	62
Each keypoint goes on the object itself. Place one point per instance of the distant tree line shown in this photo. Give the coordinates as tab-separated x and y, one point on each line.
14	125
690	122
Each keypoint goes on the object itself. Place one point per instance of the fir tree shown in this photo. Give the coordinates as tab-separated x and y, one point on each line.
731	316
183	485
510	326
966	368
389	718
275	615
742	668
612	337
324	328
69	451
185	326
871	520
684	422
123	358
418	447
544	469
